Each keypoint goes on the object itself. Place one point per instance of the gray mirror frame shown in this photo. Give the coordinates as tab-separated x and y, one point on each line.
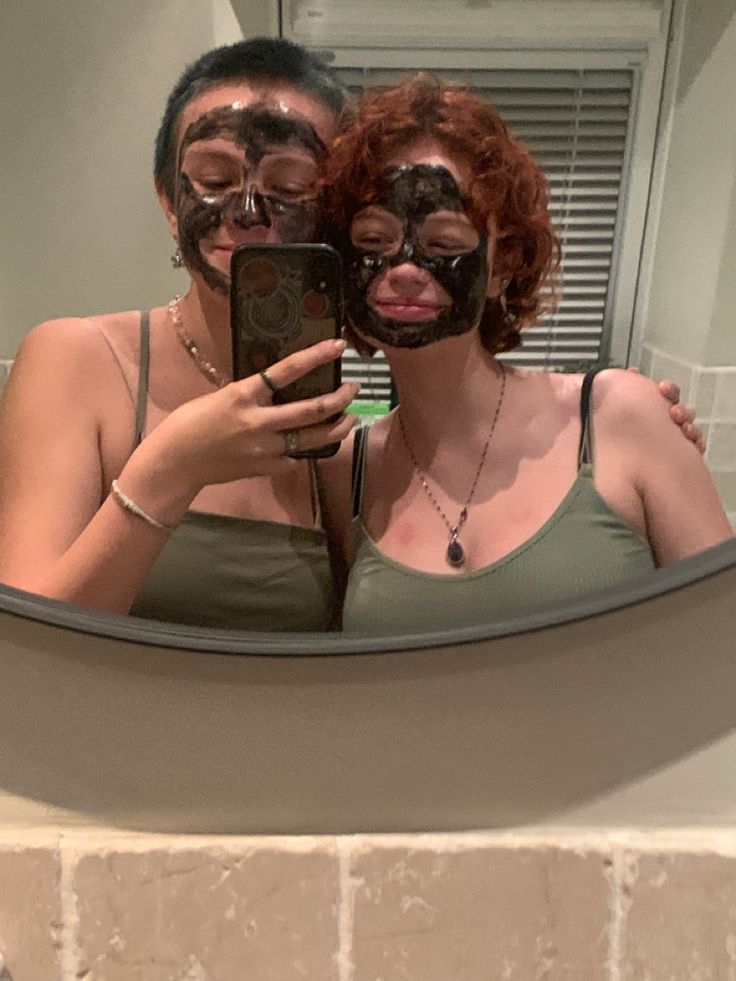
617	710
155	633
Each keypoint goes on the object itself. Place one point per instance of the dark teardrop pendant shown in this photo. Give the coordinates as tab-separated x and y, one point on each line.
455	552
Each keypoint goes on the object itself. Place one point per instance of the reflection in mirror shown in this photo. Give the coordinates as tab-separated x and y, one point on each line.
174	497
528	486
163	490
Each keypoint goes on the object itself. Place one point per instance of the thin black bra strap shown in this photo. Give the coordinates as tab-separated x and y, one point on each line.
314	493
359	450
585	447
141	405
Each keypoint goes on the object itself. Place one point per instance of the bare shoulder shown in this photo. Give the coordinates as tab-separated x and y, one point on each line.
65	334
544	388
612	386
622	384
617	395
65	368
623	398
56	355
74	342
636	435
72	351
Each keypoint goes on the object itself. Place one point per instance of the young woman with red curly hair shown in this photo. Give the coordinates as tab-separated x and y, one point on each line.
490	491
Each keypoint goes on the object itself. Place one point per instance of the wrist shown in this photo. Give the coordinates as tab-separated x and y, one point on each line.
158	485
128	504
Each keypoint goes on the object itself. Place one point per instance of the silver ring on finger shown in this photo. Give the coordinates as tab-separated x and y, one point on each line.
291	442
268	382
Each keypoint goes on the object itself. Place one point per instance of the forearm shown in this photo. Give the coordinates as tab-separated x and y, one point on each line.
106	563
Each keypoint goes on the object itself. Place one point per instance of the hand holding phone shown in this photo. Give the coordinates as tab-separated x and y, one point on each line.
285	298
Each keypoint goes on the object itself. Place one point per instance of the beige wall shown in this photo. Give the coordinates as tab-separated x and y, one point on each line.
688	287
84	85
692	290
721	342
83	88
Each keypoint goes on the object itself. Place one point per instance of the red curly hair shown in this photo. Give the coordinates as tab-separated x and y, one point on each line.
506	187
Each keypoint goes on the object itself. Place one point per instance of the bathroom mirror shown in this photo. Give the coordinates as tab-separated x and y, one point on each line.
84	90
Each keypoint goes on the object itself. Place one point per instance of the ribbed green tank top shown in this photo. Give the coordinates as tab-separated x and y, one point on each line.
583	547
220	571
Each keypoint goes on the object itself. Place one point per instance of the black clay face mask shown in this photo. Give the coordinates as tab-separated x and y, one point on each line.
419	216
247	166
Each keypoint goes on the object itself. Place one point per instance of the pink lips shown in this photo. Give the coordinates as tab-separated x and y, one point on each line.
408	312
232	246
256	236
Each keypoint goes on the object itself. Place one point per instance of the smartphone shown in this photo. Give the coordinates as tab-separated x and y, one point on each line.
284	298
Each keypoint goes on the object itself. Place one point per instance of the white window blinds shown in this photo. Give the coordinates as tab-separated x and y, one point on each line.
577	123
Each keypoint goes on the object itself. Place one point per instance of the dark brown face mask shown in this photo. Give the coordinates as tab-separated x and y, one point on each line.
410	198
269	182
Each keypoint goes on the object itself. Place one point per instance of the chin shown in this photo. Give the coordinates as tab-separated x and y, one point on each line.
407	335
219	262
212	279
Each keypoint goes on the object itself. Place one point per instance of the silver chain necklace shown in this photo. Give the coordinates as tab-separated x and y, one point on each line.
208	370
455	552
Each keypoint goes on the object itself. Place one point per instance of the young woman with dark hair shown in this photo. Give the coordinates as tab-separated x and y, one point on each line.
136	476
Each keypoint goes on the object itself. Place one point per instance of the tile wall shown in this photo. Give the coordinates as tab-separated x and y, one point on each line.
712	392
454	907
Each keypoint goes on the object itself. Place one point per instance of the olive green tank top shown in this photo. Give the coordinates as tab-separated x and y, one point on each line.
220	571
583	547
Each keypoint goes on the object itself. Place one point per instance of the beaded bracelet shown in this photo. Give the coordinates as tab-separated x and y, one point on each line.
127	505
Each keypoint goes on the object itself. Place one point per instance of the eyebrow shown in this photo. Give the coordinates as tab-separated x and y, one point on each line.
292	152
237	154
446	214
220	153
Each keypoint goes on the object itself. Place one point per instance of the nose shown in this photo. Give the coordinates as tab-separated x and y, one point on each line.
408	274
251	210
405	275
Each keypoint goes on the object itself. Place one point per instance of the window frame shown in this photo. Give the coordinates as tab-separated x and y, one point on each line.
539	35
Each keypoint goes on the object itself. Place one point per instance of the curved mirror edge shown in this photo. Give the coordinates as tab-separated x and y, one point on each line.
153	633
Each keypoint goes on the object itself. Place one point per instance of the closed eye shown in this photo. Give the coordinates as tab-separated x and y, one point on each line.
445	245
291	192
374	240
371	242
448	234
376	230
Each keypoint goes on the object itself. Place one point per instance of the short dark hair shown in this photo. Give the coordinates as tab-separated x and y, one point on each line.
259	60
